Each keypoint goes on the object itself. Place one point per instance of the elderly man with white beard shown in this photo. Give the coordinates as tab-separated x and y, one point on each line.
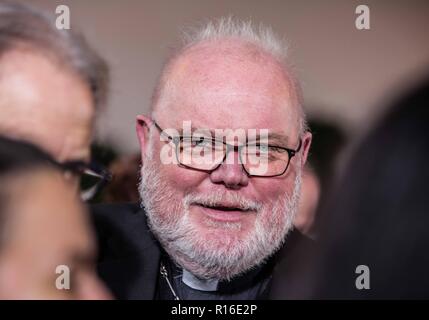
222	153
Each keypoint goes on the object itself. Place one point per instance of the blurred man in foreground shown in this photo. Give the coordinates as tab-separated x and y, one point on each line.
374	238
43	229
51	86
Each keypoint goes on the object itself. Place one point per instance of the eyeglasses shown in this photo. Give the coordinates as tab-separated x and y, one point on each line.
93	176
207	154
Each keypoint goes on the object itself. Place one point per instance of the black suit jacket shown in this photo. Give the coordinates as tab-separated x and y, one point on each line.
129	255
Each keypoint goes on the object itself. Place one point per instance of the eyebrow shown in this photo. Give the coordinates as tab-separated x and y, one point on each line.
193	129
278	138
273	137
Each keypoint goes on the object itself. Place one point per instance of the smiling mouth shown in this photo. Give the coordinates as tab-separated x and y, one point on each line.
223	213
225	208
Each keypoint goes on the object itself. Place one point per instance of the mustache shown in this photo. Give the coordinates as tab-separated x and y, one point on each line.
223	199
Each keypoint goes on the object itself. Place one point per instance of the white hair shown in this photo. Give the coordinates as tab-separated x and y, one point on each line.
260	36
229	28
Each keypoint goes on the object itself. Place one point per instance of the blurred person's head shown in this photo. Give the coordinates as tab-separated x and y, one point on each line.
221	221
43	225
51	83
378	214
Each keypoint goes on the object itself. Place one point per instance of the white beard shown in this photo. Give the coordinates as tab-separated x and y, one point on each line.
205	255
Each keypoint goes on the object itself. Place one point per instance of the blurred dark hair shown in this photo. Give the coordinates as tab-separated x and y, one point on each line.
327	143
124	185
23	25
379	214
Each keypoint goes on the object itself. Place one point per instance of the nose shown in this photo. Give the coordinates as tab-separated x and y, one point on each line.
230	172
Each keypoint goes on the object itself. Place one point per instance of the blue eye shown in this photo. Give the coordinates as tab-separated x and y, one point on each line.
263	148
201	141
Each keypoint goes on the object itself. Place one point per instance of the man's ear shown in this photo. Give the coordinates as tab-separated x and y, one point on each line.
306	143
142	128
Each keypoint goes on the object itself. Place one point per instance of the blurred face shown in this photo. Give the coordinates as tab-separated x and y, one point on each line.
45	104
221	223
45	227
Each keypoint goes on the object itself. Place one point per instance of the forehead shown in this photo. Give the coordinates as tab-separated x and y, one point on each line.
39	97
230	85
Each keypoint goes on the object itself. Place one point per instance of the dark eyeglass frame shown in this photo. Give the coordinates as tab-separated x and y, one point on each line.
176	140
82	168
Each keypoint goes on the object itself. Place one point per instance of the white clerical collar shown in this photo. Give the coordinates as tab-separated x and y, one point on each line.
199	284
